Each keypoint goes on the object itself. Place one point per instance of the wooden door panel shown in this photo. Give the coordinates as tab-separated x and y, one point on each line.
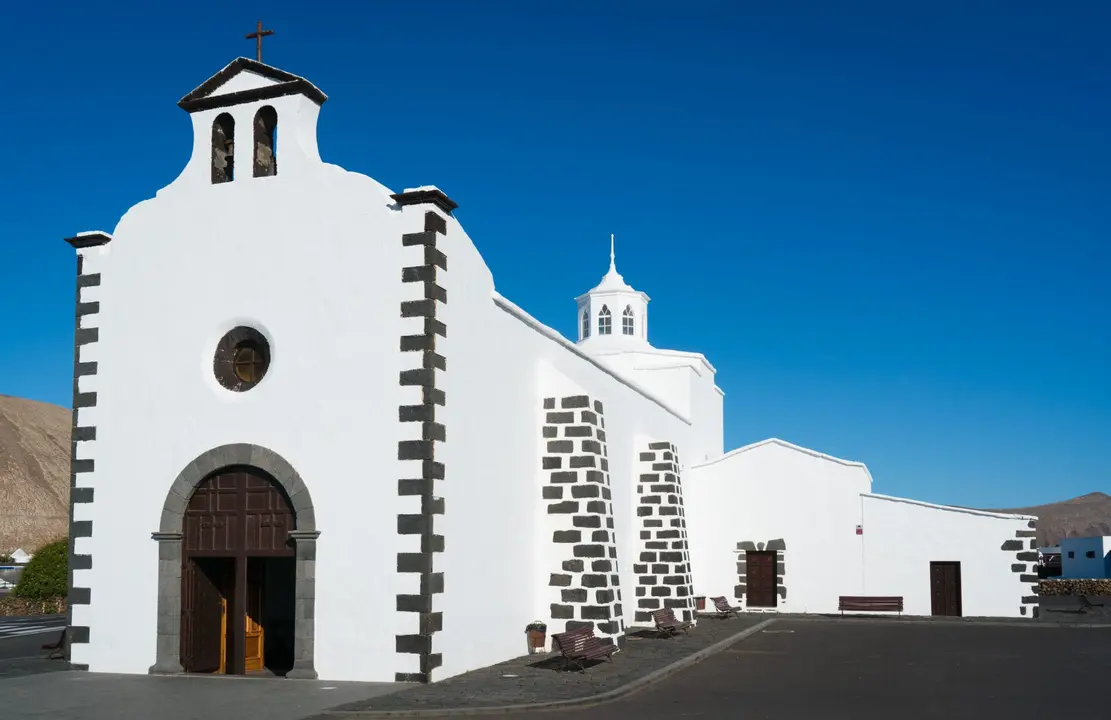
945	589
254	640
761	579
207	602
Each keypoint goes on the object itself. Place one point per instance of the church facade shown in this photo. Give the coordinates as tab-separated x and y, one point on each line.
292	452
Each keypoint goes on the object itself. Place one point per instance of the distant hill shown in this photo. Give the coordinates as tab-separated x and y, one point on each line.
34	473
1082	516
34	483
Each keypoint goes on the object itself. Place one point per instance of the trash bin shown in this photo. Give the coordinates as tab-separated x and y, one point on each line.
537	633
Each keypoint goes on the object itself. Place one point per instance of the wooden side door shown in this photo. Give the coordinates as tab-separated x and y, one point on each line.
202	611
761	579
945	588
254	639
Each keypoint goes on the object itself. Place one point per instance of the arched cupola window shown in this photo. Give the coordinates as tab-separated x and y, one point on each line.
223	149
266	152
605	322
584	325
627	321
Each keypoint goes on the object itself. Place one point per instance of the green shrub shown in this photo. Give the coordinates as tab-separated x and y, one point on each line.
47	575
6	559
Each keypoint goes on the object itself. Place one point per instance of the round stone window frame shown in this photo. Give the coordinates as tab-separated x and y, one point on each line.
223	361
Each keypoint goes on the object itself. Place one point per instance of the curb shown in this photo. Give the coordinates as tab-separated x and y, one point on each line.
591	700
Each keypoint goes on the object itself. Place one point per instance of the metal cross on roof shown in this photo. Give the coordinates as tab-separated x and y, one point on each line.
257	36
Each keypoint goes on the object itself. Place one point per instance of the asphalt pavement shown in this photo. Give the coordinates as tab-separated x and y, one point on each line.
878	670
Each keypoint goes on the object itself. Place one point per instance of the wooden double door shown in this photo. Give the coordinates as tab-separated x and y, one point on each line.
208	594
237	576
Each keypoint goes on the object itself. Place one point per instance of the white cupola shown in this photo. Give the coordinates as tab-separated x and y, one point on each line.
613	315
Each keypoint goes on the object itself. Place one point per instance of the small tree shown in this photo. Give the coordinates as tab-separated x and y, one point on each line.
47	575
6	559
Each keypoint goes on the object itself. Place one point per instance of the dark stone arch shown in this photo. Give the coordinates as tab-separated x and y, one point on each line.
169	536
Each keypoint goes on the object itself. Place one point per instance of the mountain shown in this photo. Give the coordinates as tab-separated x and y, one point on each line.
1082	516
34	483
34	473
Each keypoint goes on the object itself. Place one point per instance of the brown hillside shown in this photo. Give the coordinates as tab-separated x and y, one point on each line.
1080	517
34	473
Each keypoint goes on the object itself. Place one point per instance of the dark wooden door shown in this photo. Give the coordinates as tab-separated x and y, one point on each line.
202	614
235	514
760	578
238	512
945	588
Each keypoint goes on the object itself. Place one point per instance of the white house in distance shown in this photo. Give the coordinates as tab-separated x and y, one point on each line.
293	450
1086	558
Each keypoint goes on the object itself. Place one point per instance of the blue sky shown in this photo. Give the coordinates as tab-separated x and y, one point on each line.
886	224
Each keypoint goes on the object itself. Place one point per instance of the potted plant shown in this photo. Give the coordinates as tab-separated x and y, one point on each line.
537	636
700	602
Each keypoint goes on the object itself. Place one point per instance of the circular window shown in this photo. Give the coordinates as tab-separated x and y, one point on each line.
242	359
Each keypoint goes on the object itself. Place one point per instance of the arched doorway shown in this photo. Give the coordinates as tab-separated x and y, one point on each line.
237	575
247	513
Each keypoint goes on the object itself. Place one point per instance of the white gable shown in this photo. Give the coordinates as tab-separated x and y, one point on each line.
244	80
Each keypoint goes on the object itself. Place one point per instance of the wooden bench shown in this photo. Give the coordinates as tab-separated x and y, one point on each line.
875	603
724	609
667	624
579	646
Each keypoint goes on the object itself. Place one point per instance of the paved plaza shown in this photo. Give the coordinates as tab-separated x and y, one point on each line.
794	668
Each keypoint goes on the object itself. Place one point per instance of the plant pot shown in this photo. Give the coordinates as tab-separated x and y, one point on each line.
537	638
700	603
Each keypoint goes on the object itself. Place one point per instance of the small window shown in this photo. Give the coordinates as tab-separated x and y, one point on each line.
249	361
1072	555
584	325
241	360
605	322
223	149
1091	554
266	147
627	321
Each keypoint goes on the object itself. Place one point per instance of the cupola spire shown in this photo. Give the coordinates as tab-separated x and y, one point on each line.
613	314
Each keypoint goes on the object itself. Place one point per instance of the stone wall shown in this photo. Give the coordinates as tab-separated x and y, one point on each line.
1074	587
584	586
663	562
425	373
779	547
1025	563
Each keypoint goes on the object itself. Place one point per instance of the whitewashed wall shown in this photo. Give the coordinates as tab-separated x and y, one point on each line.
685	381
1079	566
311	258
773	490
902	537
493	458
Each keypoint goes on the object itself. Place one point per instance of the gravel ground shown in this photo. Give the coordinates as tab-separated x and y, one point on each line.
1065	610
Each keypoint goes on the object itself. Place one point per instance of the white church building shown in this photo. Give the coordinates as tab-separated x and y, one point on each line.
293	453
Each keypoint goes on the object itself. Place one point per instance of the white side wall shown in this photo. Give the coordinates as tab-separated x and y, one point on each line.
776	491
902	537
501	365
685	381
1080	566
